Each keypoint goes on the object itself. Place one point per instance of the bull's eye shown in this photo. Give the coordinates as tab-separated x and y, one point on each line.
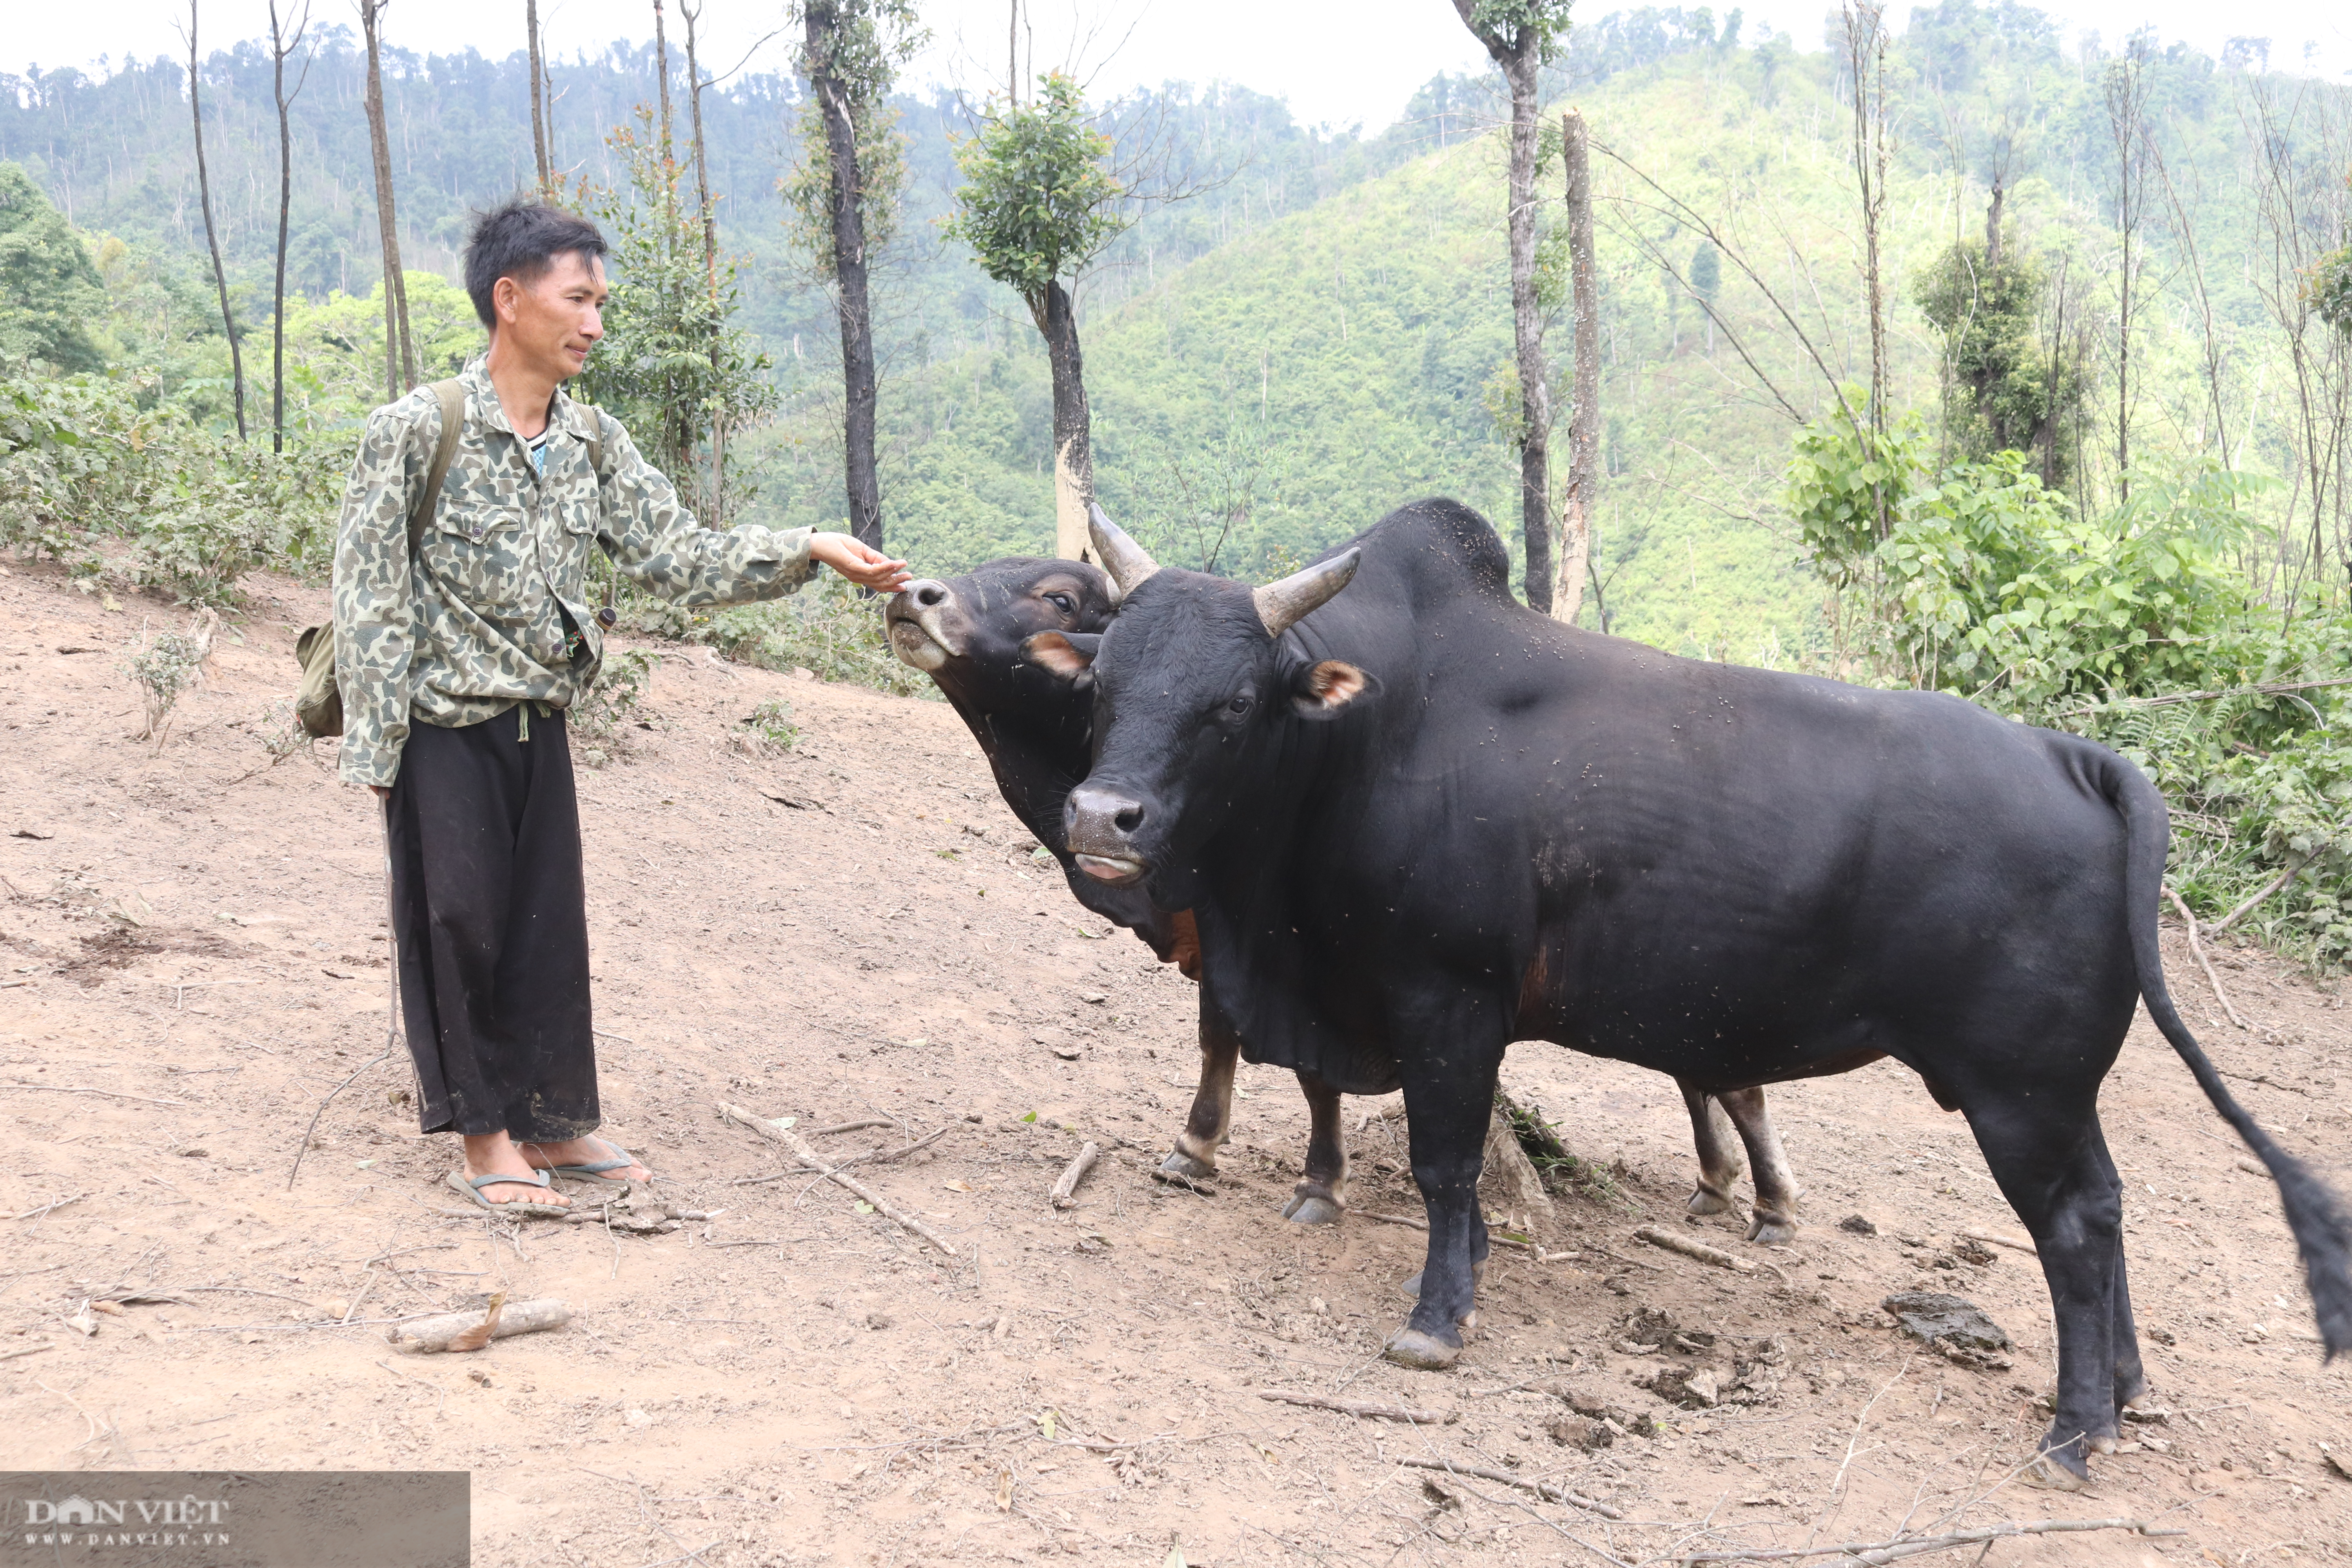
1061	601
1239	705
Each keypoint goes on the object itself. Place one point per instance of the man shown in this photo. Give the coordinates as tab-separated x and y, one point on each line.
457	668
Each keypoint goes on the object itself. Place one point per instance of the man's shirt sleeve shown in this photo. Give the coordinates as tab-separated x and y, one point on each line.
658	542
375	611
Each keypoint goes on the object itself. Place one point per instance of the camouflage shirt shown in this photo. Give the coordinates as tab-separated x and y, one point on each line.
495	608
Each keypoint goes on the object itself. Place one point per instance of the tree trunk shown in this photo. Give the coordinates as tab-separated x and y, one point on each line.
538	106
864	486
1527	331
1584	407
212	235
1074	458
399	343
279	47
1865	43
2124	102
717	510
661	68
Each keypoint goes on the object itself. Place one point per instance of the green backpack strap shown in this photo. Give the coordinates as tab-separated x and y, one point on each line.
451	396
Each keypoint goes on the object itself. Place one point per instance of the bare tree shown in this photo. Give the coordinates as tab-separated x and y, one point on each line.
1864	35
661	69
399	342
2125	88
1584	404
1521	36
212	235
281	45
539	105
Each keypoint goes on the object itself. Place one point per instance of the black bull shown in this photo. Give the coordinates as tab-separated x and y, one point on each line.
1423	821
1036	731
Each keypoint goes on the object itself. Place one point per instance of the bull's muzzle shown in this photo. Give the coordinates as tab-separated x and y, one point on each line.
918	618
1102	824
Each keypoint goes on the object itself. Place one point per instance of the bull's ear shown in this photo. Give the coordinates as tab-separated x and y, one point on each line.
1322	690
1068	654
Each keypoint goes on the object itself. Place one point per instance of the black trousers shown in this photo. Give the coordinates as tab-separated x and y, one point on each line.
488	901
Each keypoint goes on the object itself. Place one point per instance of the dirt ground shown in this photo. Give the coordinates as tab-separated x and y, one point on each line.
192	949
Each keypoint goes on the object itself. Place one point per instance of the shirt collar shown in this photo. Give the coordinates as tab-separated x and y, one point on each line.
490	413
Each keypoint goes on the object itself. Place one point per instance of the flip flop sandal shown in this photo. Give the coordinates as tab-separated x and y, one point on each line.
471	1186
595	1169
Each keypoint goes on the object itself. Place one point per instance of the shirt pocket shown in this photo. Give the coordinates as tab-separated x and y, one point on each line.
481	557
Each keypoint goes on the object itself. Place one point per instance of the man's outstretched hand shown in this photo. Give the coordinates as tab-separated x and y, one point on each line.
861	563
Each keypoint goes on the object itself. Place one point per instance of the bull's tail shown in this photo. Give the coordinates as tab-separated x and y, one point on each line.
2322	1234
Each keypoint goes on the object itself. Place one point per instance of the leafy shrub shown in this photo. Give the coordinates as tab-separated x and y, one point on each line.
82	461
2136	628
163	666
828	627
603	715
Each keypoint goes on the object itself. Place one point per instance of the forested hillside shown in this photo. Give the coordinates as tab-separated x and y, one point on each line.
1322	330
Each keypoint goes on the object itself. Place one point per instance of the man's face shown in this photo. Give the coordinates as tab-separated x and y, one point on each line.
552	323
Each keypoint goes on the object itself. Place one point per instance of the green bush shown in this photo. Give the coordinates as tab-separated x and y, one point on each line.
2138	627
82	462
828	627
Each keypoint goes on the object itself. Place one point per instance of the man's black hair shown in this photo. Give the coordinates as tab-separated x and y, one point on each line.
521	240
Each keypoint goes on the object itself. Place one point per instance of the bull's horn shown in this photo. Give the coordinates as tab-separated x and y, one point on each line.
1282	606
1122	557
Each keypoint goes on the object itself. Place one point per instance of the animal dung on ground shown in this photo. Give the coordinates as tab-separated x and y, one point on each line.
1658	1236
472	1330
1953	1326
1859	1226
1582	1432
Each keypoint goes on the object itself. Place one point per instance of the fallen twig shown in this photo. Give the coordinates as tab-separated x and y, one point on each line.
1189	1184
2003	1239
1065	1188
2294	863
2197	951
1658	1236
28	1350
1358	1407
870	1157
449	1330
110	1094
1543	1490
851	1126
1897	1550
808	1156
52	1203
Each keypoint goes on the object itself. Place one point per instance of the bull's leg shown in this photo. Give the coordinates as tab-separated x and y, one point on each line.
1320	1197
1775	1214
1211	1119
2046	1154
1449	1096
1718	1164
2131	1377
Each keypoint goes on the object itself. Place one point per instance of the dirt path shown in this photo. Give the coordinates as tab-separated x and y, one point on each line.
192	953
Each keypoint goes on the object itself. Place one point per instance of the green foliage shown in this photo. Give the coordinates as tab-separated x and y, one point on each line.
1509	20
49	293
2331	289
770	729
1036	204
1843	478
673	366
602	718
163	666
83	464
829	629
2137	627
2011	390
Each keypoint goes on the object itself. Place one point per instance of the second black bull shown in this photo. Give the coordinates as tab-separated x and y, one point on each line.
1036	729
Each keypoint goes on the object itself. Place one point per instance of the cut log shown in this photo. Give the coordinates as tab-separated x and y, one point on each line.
1075	1172
1658	1236
429	1334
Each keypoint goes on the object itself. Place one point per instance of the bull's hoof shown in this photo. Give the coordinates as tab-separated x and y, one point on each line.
1704	1202
1179	1163
1427	1352
1312	1208
1772	1231
2058	1473
2103	1444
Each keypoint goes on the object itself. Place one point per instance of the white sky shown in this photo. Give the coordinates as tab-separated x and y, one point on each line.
1336	61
